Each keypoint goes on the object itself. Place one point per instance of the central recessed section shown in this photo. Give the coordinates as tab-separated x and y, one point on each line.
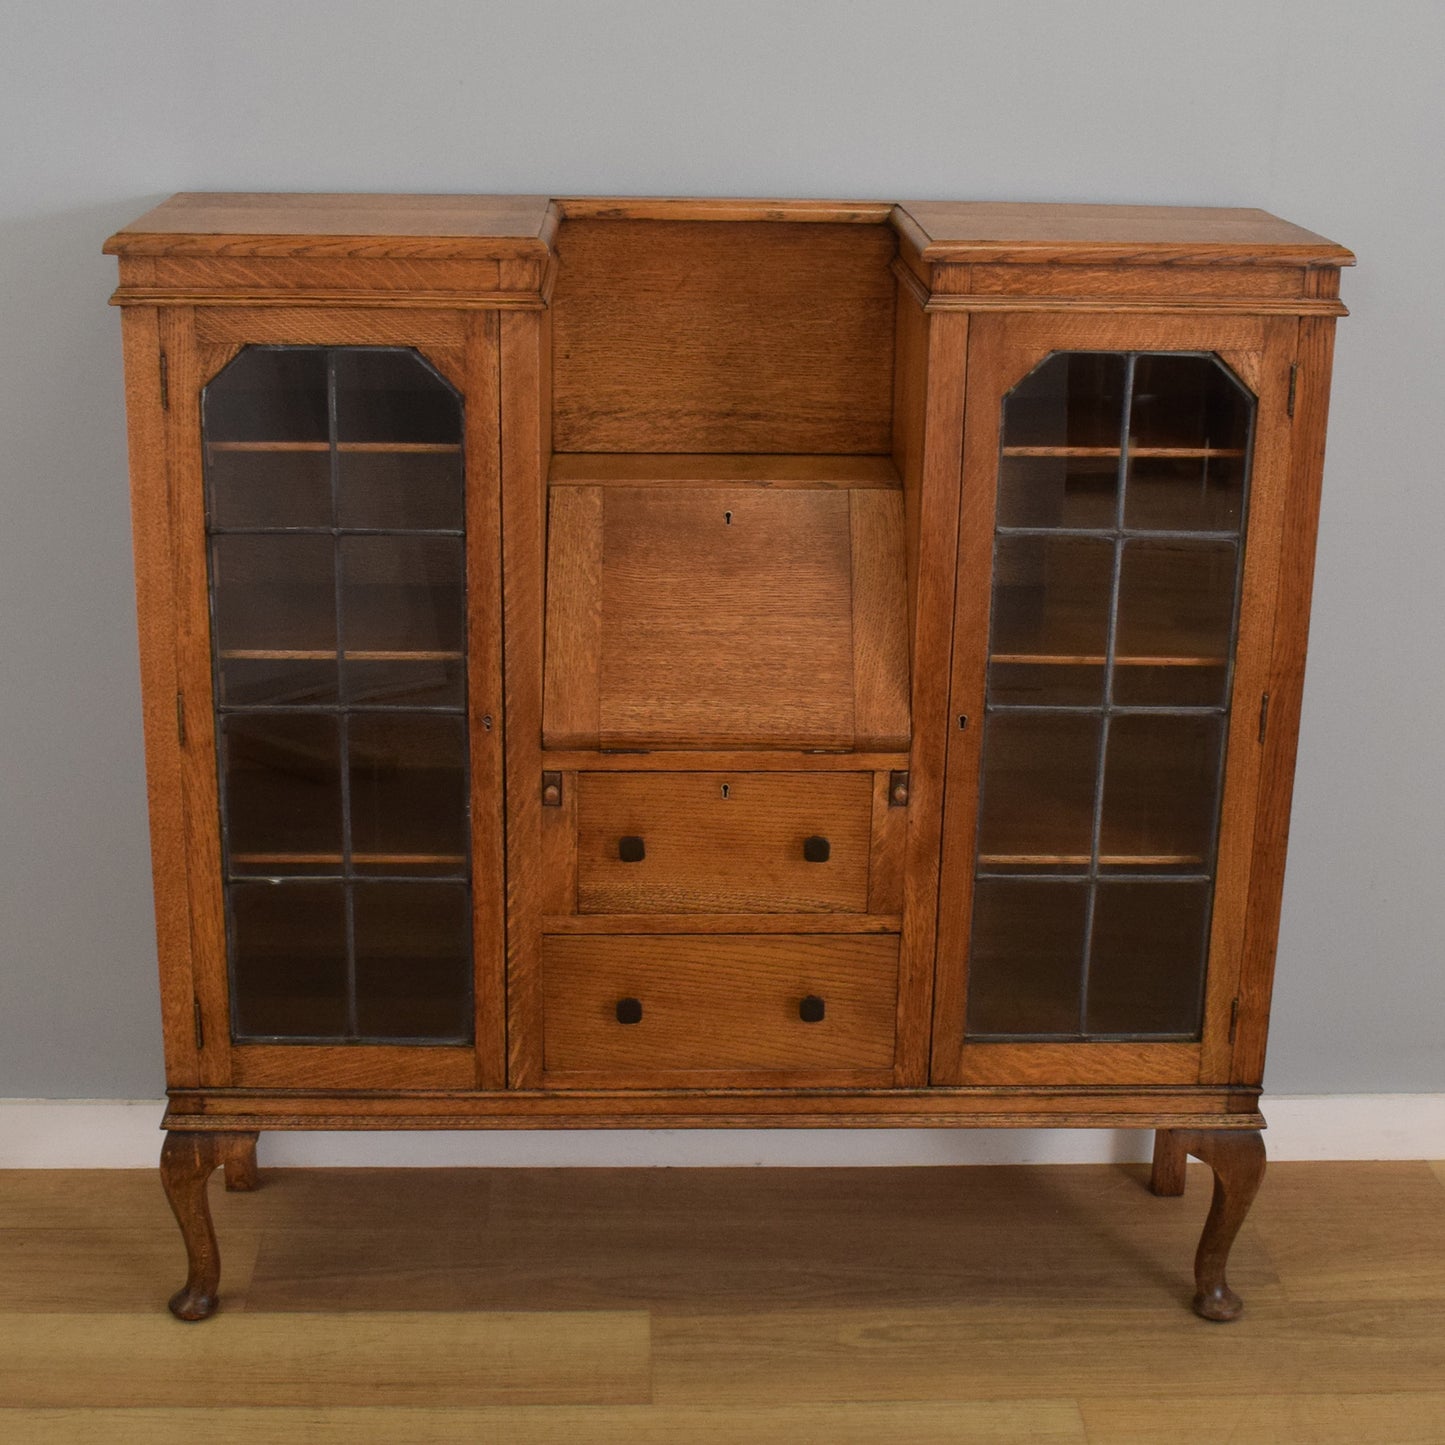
726	562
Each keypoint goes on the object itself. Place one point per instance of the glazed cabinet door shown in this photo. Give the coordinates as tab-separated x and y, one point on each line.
1123	485
337	528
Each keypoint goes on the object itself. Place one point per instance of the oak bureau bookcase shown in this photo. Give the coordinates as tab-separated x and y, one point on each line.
677	663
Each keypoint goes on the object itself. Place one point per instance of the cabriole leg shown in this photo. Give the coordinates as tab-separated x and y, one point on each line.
187	1162
1167	1177
1237	1158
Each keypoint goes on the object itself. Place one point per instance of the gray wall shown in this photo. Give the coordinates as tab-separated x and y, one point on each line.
1326	113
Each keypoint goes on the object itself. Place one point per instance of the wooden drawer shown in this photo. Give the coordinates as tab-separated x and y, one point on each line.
716	1006
723	842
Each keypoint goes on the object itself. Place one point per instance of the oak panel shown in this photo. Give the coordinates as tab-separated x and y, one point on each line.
734	336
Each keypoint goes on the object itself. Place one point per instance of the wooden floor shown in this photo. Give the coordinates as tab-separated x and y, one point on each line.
679	1306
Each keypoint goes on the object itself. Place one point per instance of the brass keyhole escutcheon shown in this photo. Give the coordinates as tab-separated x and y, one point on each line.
726	791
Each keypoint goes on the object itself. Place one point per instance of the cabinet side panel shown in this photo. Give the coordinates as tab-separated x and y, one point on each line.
189	366
525	446
933	641
155	616
1286	683
1266	372
484	673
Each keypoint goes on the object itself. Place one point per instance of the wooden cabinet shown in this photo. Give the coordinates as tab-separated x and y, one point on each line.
714	662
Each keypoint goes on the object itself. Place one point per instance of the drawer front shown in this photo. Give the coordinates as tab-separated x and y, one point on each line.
723	842
643	1010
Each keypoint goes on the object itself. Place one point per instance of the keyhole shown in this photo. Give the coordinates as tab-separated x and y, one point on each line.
727	519
725	789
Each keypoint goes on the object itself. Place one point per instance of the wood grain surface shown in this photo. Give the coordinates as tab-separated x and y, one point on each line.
714	1005
723	842
718	1305
734	336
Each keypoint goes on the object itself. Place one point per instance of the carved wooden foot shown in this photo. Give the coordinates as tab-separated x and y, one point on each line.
1237	1158
187	1162
1170	1157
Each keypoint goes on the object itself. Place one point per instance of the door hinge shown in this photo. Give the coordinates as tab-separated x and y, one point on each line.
165	383
1293	387
1233	1020
1263	714
200	1028
181	718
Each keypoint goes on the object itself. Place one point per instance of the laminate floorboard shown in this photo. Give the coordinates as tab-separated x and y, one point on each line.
837	1306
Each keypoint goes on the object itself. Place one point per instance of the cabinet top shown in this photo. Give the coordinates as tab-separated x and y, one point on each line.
518	227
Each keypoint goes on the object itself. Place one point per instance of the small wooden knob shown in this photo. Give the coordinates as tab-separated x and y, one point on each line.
812	1009
816	850
631	849
629	1011
900	794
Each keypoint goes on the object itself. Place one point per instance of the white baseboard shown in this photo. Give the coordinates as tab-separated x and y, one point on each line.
122	1134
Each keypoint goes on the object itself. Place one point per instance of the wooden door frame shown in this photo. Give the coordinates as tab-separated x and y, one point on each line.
196	344
1005	348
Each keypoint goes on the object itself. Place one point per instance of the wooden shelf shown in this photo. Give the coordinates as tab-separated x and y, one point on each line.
387	448
717	469
1082	860
367	860
326	654
1097	659
1185	453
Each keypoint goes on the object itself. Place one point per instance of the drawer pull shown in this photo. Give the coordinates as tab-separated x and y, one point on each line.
631	849
816	850
812	1009
629	1010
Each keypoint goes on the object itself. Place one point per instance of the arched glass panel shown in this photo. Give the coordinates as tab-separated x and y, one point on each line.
1117	561
335	491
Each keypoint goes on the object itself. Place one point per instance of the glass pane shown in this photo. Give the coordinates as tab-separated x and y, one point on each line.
1185	401
288	960
1161	792
1179	494
1078	582
335	497
408	793
274	606
281	785
1050	626
1176	616
413	960
388	396
1074	399
269	394
404	616
1038	790
1024	972
271	488
1058	491
400	491
1146	965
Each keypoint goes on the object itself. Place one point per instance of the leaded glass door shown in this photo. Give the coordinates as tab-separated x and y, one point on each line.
1121	490
346	936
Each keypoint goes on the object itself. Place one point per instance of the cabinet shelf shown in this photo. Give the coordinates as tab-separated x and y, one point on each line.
1097	659
327	654
1173	453
384	448
988	861
367	860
